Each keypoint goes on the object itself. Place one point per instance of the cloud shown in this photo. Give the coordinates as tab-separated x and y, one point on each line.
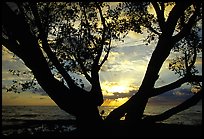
26	98
42	98
40	91
117	95
178	93
10	62
199	61
134	35
114	102
175	96
130	58
126	63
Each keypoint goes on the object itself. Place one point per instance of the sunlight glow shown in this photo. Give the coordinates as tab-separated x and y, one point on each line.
26	99
119	87
168	8
114	102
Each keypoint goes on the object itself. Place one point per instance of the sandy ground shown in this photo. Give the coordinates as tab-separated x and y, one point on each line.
63	128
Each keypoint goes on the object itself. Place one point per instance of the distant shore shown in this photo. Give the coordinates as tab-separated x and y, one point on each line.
67	128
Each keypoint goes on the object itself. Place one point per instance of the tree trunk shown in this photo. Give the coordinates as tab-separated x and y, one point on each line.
24	44
96	89
154	66
77	102
135	106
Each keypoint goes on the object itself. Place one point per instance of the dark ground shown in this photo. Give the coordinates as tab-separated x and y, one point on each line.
60	128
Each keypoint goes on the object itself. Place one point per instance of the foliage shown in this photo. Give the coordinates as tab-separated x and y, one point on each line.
76	37
79	34
21	85
188	47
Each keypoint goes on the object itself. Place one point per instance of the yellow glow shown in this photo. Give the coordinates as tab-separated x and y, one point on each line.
25	99
134	35
119	87
114	102
168	8
110	88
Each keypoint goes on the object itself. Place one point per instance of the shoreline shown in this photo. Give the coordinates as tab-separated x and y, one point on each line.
67	128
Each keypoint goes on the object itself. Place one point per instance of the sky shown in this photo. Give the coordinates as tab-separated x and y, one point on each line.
120	76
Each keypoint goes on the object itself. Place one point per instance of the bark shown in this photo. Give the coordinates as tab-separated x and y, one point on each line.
74	101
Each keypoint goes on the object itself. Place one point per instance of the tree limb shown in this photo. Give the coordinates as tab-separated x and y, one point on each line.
87	23
47	49
12	46
181	107
107	53
194	58
153	30
188	26
77	57
84	71
160	14
176	84
16	35
174	16
96	67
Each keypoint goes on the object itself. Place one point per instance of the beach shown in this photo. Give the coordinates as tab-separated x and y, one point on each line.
67	128
50	121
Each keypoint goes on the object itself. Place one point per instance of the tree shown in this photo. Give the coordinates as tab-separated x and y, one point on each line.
76	37
178	32
60	38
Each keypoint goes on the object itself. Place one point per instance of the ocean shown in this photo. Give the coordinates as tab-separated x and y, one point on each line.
14	118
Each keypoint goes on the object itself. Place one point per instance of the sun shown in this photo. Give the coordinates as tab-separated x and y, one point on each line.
113	87
118	89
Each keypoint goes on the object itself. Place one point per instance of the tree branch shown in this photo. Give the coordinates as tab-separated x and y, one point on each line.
12	46
47	49
188	26
176	84
181	107
107	53
174	16
77	57
194	58
84	71
87	23
16	34
153	30
160	14
96	67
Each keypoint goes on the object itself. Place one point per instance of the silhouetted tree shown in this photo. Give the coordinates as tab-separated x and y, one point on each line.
176	32
54	39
